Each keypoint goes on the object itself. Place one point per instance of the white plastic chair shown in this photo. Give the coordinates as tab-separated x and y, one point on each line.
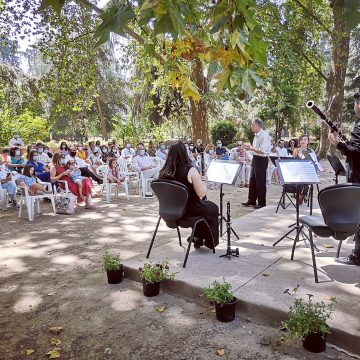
103	171
131	176
30	200
3	198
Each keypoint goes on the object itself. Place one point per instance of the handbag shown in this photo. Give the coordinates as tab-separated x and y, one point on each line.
66	204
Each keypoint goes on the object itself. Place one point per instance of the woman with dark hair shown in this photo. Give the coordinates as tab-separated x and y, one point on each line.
41	171
293	144
16	162
59	171
64	148
178	167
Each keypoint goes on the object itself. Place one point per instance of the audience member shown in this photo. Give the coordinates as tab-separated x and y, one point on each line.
59	172
43	158
281	151
28	179
151	149
221	152
40	170
293	144
16	161
241	155
128	152
6	183
143	162
113	175
161	153
15	141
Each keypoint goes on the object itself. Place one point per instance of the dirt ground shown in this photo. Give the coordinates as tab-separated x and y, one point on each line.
50	276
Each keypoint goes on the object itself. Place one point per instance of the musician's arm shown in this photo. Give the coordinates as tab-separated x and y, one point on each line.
199	186
350	149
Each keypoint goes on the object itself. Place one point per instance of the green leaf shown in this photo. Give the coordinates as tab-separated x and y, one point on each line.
248	84
165	25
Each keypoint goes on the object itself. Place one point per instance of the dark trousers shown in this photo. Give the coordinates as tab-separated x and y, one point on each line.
86	172
257	186
357	242
210	211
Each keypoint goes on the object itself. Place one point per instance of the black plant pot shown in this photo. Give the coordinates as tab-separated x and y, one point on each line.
152	289
115	277
315	342
226	312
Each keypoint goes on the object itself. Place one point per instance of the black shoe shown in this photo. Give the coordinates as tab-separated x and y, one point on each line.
352	259
197	242
248	204
259	206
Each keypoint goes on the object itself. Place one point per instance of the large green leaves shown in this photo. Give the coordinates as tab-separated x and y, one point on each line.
113	20
350	10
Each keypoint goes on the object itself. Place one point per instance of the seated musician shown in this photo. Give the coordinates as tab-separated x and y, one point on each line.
178	167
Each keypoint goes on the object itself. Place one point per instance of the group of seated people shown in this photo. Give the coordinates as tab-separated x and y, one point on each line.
77	164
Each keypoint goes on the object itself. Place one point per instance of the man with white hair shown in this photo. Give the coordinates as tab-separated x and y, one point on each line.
260	148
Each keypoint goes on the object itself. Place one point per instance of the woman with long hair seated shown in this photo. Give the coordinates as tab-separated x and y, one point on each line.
178	167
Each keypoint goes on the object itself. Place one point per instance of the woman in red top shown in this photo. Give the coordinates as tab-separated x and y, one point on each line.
58	171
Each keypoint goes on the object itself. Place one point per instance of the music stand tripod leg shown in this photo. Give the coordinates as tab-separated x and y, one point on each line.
229	252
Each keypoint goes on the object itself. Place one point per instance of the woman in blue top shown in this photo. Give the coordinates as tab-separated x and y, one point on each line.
41	171
16	160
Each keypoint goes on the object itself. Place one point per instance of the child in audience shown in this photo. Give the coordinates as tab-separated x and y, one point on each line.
28	180
113	176
75	175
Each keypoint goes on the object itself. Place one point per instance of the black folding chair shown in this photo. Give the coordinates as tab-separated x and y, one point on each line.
340	208
173	198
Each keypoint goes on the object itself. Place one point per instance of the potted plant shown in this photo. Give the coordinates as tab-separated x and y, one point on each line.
307	321
113	267
153	274
224	299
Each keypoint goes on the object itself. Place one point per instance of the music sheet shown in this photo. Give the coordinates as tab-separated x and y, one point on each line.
224	172
297	172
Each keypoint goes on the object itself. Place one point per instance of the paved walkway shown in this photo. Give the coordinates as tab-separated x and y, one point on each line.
64	244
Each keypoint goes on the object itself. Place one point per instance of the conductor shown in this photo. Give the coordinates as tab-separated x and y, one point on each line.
352	152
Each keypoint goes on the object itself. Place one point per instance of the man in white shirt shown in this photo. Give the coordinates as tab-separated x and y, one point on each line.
43	158
128	152
261	148
16	141
161	152
281	151
143	162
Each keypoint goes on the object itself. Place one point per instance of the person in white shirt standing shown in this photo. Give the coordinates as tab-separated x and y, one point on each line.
15	141
281	150
261	148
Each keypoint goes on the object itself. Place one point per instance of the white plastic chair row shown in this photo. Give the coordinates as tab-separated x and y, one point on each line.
103	171
30	200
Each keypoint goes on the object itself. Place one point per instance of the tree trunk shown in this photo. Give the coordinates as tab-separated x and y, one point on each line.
199	120
336	80
102	119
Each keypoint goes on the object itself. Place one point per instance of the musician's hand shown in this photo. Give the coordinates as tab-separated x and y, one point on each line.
333	137
248	147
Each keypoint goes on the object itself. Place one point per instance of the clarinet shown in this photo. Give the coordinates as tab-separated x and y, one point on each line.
311	105
202	163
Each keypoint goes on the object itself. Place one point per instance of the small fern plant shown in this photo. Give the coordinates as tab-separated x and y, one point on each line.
306	316
219	293
111	262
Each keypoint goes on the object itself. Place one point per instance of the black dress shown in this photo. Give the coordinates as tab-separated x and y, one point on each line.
198	207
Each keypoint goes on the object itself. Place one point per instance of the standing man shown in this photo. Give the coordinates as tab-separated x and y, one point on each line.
261	148
352	151
16	141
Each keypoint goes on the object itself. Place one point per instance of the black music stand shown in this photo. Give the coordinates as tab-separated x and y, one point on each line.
337	167
297	172
224	172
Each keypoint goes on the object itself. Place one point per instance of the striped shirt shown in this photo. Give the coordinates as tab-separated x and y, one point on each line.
262	142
